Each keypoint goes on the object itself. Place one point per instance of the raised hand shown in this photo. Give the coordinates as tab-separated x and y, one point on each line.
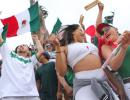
125	39
100	6
35	38
1	39
55	40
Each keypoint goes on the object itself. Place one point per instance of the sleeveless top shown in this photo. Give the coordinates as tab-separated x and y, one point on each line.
77	51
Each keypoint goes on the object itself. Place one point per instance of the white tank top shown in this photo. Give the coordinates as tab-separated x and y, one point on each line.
77	51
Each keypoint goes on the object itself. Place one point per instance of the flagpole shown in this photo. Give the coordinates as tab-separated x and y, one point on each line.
43	32
32	2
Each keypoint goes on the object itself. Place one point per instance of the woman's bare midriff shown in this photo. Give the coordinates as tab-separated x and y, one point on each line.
89	62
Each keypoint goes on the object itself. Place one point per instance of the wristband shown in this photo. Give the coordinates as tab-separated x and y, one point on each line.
59	51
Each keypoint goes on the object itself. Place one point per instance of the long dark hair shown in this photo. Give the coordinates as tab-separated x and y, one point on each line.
67	35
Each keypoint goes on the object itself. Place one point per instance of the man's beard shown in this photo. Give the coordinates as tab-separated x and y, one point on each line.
24	52
21	51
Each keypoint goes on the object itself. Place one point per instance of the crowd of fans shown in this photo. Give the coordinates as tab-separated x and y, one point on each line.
68	68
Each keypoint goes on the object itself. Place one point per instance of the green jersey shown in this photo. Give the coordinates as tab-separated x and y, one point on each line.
49	83
124	70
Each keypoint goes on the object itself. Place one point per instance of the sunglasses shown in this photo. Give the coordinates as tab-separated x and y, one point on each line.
47	46
105	30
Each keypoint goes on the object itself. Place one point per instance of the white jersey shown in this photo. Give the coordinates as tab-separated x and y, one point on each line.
18	78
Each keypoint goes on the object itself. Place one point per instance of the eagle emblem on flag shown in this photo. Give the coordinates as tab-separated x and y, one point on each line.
24	22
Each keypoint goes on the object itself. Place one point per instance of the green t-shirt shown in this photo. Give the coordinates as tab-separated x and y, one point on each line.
47	75
124	70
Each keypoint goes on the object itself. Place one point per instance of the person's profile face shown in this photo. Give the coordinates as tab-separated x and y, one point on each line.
79	35
110	34
48	47
22	48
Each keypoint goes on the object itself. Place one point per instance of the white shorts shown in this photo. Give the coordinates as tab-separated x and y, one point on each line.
127	89
86	93
20	98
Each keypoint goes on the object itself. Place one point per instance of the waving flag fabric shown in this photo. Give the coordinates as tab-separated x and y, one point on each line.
26	21
56	26
91	31
109	19
3	32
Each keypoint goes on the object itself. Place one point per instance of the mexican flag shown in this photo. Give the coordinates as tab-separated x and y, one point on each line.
26	21
56	27
91	31
3	32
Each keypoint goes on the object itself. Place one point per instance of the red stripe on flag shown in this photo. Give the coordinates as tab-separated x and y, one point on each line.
91	31
12	26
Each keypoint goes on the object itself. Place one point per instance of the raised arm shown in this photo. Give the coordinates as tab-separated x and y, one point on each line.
61	63
1	39
100	12
61	59
117	60
38	46
37	43
99	16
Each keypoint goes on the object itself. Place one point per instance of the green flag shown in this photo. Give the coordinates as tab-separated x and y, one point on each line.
109	19
56	26
3	32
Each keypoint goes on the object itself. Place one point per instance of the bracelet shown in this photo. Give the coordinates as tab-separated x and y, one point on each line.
59	51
